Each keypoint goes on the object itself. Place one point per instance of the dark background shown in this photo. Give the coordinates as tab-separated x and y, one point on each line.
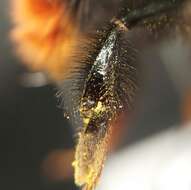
31	124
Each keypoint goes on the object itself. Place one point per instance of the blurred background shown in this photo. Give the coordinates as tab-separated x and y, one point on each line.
32	126
36	141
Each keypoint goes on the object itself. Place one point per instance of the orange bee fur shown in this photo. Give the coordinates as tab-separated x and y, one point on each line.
45	35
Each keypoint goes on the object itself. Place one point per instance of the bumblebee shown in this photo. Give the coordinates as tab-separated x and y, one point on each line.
101	74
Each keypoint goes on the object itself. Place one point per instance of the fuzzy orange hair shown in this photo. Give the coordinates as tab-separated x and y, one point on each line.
45	35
